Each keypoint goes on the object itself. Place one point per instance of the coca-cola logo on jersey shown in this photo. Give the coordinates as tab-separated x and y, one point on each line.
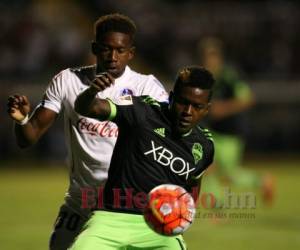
102	129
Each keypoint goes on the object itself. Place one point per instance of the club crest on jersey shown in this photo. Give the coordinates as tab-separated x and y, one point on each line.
166	158
124	100
126	92
197	152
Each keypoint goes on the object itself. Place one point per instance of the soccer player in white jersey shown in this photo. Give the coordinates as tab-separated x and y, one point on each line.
90	142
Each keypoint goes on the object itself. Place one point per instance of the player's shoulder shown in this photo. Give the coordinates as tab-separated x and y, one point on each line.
206	141
144	78
146	85
205	133
61	74
149	101
134	74
76	71
148	104
84	71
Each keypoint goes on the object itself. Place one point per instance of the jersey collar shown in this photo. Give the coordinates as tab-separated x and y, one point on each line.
124	76
187	134
121	78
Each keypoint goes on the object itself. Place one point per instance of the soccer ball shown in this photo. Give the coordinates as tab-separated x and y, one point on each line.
170	209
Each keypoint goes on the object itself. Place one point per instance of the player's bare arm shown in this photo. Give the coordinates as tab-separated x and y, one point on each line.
221	109
29	131
87	104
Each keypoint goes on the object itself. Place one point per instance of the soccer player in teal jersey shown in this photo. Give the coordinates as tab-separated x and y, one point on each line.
232	98
158	143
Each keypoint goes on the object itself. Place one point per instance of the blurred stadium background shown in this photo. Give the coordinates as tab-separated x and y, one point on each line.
40	38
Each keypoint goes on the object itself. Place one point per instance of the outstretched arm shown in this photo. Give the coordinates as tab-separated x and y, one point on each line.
221	109
28	131
87	104
242	100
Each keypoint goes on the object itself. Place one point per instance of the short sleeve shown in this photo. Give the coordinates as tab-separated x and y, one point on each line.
208	159
155	89
208	153
54	94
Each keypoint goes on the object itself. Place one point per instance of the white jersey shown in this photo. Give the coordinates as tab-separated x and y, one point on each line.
90	142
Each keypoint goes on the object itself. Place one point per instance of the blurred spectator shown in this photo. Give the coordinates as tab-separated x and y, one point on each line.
232	97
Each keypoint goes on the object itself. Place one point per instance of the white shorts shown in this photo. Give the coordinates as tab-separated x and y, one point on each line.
67	226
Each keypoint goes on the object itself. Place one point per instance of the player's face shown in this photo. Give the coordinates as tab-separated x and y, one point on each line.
113	51
188	107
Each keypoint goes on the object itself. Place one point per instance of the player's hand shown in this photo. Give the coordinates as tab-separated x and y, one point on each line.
101	82
18	107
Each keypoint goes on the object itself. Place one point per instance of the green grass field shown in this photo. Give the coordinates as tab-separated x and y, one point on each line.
30	197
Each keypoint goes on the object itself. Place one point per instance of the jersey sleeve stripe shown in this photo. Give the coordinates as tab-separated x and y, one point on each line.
113	110
198	176
206	133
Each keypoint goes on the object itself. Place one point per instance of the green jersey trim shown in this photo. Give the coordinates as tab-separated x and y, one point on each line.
187	133
150	101
113	110
199	176
207	133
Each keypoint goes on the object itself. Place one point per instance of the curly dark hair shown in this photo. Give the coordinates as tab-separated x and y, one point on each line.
115	23
194	76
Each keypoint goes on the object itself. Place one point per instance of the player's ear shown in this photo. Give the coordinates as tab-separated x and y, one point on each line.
95	48
131	52
207	108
